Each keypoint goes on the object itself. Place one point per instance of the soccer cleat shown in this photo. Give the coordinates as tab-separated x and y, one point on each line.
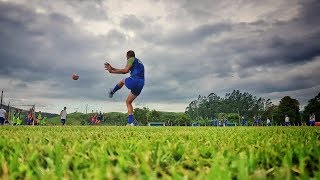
131	124
110	93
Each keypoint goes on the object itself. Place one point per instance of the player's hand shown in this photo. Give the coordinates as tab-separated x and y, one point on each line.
108	67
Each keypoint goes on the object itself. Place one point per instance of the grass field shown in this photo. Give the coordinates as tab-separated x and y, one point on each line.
100	152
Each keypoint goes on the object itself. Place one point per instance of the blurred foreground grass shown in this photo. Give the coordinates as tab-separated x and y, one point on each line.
101	152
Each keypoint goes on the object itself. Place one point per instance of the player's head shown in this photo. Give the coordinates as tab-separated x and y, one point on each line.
130	54
65	108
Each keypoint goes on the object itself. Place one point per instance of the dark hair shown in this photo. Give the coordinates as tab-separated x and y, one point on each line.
130	54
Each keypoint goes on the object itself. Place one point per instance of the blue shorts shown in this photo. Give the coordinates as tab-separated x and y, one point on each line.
312	123
1	120
135	85
63	121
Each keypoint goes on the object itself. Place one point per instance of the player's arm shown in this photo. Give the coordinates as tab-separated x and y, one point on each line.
125	70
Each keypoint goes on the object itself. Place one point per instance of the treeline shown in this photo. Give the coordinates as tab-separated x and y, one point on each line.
142	115
202	110
145	115
237	104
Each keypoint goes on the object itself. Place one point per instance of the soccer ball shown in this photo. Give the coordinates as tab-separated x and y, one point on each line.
75	77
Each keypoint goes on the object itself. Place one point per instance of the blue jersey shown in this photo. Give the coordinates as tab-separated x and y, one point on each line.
137	69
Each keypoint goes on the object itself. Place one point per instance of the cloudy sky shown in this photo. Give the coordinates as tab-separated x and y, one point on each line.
268	48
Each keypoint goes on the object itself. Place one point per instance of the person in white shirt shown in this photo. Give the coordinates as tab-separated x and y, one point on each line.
312	119
63	115
287	121
2	115
268	122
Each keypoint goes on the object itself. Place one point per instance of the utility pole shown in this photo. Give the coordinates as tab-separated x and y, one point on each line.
1	96
86	108
9	113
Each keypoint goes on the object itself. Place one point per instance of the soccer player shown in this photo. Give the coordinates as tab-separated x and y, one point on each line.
63	115
2	115
135	82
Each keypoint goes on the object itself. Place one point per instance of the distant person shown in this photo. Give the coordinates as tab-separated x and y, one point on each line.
254	121
30	120
135	82
100	117
26	119
39	118
215	122
312	119
287	121
225	122
259	121
19	120
268	122
44	120
243	121
63	115
93	119
3	114
14	117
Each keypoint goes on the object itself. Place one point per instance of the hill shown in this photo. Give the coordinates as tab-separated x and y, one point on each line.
72	119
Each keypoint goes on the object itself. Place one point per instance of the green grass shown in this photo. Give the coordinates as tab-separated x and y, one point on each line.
100	152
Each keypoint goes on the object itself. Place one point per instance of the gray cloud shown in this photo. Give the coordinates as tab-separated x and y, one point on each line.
190	37
132	23
208	54
42	48
90	9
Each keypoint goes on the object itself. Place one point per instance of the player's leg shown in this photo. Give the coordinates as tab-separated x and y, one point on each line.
129	101
136	86
1	120
116	88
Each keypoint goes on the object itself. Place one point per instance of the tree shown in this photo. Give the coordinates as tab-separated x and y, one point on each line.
235	102
183	119
271	113
290	107
233	117
141	115
154	115
312	107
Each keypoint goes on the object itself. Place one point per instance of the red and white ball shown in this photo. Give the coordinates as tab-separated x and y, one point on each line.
75	77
